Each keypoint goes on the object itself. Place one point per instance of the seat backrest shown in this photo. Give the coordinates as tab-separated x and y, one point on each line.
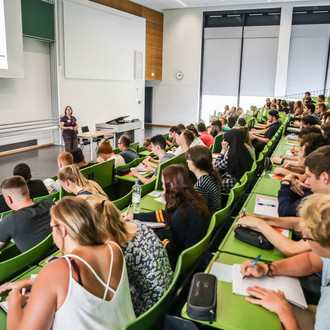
11	266
54	197
250	173
133	163
134	146
179	159
260	159
222	214
102	173
190	255
149	318
239	187
217	143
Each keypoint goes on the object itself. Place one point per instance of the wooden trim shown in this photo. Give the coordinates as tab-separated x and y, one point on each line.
159	125
25	149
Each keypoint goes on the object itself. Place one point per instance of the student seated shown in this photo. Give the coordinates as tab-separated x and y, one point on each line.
74	182
224	124
199	160
247	141
204	136
314	225
234	159
63	159
186	213
259	141
216	128
36	187
148	267
125	151
26	226
197	141
309	121
173	133
147	144
105	152
184	140
79	158
158	148
318	180
86	289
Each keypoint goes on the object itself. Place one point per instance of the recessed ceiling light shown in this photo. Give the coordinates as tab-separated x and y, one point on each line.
183	4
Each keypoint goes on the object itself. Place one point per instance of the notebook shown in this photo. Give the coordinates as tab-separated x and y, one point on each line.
289	285
266	205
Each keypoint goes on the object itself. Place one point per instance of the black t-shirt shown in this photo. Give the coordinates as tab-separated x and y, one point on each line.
36	188
88	165
27	226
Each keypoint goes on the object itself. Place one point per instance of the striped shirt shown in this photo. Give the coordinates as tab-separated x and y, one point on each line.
210	190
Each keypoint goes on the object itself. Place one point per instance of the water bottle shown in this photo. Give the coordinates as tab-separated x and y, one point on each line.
136	197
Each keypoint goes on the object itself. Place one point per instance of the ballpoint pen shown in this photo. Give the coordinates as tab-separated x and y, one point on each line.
254	263
129	205
244	212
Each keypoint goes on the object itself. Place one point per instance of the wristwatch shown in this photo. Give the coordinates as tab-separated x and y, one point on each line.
270	272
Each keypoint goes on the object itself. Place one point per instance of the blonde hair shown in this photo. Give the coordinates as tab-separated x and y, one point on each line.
315	214
80	220
111	218
71	173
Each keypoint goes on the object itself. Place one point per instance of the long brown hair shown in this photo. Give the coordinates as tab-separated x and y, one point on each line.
181	193
111	219
201	156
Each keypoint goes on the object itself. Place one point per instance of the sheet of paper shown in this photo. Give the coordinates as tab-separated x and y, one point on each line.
266	205
155	193
154	224
276	176
141	169
160	200
223	272
289	285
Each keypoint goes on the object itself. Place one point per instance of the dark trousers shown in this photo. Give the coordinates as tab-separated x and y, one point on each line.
70	142
258	146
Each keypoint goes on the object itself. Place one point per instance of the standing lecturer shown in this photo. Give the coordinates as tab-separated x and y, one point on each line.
68	124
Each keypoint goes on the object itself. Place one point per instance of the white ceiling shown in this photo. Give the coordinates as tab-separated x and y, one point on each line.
171	4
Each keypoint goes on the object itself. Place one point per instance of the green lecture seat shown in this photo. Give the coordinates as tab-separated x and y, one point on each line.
54	197
222	214
250	173
190	255
149	318
11	266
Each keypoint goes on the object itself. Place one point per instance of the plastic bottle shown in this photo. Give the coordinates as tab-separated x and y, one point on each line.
136	198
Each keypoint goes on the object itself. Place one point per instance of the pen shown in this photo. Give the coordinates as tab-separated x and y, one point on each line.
263	204
244	212
254	263
23	291
129	205
287	164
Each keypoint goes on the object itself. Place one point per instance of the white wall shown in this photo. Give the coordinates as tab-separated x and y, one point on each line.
96	101
28	98
178	101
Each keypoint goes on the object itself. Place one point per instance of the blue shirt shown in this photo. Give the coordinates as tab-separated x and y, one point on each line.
322	312
272	130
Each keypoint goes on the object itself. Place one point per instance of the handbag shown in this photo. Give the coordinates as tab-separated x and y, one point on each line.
253	237
202	298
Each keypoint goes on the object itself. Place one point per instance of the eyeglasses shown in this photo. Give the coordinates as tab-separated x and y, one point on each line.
308	239
50	228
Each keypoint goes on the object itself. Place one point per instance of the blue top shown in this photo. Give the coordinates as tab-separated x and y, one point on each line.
272	130
322	312
288	201
162	160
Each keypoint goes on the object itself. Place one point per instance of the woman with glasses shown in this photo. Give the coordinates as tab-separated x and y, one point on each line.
315	227
69	125
86	289
74	182
148	267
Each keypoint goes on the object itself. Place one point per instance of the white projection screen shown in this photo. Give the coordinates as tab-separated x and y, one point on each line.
11	39
97	42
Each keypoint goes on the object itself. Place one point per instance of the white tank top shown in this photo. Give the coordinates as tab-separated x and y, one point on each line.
83	310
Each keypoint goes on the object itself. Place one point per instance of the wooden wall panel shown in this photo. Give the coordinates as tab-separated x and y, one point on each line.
154	33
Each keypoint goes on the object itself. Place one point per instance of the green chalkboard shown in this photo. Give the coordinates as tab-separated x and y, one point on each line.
38	19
